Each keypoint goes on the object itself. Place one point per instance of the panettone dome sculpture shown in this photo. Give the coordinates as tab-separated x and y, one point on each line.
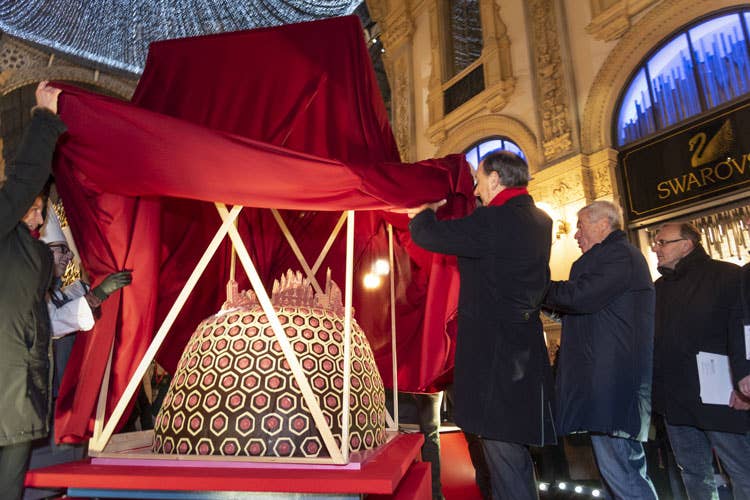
234	394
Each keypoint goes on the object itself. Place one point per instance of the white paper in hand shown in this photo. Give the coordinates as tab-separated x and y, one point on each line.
715	378
747	341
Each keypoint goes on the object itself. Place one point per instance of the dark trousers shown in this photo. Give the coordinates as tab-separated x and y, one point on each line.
481	469
511	470
14	461
428	414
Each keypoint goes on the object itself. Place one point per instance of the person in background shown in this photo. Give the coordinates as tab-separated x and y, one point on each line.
25	274
72	308
604	365
698	310
502	379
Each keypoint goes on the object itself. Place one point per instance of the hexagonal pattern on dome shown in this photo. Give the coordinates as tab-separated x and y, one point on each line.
234	394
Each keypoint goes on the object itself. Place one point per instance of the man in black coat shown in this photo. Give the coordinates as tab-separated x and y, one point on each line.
603	383
502	373
25	275
698	310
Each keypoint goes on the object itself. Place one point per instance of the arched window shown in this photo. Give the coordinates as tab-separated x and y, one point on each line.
695	70
476	152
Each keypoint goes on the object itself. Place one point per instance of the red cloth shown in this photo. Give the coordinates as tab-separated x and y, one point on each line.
506	194
138	181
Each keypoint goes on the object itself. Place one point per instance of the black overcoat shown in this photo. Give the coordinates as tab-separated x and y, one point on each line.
502	379
697	309
25	275
604	366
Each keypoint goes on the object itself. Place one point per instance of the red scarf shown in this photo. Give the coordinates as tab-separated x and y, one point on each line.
506	194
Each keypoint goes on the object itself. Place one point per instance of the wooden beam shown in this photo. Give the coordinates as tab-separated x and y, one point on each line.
394	359
347	334
281	338
330	241
297	252
99	444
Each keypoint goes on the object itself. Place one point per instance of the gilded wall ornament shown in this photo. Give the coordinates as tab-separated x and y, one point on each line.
551	90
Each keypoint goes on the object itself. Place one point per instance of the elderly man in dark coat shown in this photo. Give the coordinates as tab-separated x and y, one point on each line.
698	310
604	370
25	275
502	374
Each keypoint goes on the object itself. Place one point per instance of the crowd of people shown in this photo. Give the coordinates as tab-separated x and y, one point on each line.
628	350
627	342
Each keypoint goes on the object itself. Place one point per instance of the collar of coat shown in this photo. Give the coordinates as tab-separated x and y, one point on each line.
617	234
506	194
690	260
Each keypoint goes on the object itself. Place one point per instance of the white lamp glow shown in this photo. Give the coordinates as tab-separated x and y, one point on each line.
371	281
381	267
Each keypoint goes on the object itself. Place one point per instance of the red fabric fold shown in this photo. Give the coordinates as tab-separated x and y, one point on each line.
139	179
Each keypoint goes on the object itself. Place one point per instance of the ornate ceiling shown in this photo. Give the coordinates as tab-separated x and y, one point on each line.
116	33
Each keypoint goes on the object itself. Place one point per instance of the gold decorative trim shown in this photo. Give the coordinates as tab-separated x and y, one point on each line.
610	20
551	90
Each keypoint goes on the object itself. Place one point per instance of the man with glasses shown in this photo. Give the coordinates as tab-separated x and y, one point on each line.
698	310
603	379
71	308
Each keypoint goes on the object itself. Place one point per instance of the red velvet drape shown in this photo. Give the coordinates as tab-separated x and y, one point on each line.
287	117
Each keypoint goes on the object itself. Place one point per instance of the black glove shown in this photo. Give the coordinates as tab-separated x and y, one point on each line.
112	283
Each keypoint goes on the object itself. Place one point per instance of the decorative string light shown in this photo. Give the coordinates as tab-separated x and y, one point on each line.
116	33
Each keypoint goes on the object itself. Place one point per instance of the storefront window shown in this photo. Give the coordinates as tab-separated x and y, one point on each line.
673	83
476	152
696	70
721	59
636	116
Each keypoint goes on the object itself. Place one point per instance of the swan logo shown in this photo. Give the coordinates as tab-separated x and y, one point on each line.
717	148
713	162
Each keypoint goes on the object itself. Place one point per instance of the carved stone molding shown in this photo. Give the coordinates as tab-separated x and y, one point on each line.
600	172
21	65
377	8
480	127
499	82
664	18
560	184
552	92
397	29
403	107
581	178
611	19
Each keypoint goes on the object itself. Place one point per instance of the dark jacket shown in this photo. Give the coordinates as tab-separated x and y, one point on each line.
697	309
25	275
604	367
502	379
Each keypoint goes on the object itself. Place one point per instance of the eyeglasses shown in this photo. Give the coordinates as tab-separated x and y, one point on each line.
661	243
62	248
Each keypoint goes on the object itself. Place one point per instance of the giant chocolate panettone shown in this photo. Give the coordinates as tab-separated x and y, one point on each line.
234	394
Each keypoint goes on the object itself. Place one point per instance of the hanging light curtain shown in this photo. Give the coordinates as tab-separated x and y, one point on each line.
116	33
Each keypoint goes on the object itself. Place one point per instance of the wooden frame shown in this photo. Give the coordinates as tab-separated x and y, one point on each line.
99	444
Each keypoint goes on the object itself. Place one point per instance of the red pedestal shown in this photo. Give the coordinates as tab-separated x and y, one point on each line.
394	472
